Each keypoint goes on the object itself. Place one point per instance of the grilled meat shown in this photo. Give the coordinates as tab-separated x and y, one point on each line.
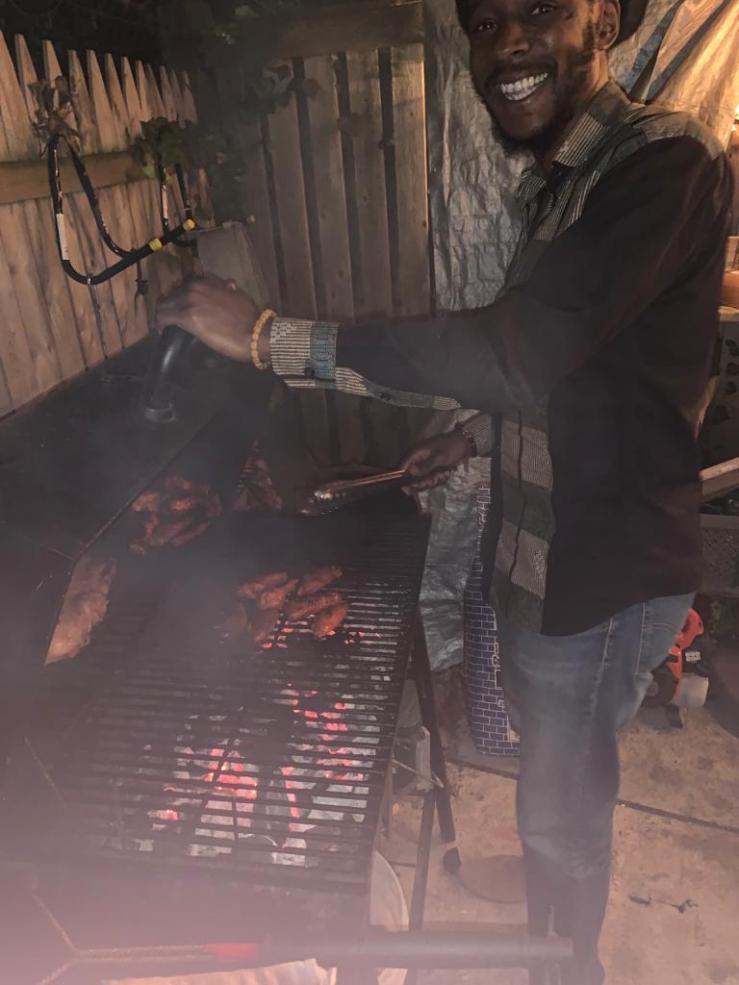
256	489
178	484
84	607
184	504
147	502
254	588
236	624
165	533
314	581
302	608
275	598
263	624
327	621
191	534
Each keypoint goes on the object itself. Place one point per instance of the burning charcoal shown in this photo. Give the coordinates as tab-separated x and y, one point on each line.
147	502
254	588
275	598
314	581
263	624
328	620
302	608
236	624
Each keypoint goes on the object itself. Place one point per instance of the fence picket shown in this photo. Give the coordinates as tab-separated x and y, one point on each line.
333	235
95	257
80	295
119	221
411	180
54	283
19	224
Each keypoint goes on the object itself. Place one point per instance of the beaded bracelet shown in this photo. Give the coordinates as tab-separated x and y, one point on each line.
265	316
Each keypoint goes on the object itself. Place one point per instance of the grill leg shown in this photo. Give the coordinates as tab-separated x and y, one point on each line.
422	674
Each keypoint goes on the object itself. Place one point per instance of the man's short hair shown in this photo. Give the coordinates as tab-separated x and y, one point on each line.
632	13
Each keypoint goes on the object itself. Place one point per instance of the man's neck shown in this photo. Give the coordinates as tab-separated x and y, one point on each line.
545	156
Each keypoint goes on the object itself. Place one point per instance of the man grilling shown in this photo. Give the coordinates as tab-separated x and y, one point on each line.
589	372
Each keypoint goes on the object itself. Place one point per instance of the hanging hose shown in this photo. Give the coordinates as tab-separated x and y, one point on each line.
128	257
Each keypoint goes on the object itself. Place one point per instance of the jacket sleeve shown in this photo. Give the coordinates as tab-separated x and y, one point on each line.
645	223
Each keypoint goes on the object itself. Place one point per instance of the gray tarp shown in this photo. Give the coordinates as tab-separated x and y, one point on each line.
686	54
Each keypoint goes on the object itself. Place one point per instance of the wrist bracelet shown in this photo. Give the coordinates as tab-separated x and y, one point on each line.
469	438
266	315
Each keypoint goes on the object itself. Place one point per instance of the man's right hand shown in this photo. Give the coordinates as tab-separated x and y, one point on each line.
439	455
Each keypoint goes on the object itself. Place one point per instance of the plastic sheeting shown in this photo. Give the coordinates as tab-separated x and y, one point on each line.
685	54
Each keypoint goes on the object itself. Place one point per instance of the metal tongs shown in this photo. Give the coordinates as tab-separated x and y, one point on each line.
334	495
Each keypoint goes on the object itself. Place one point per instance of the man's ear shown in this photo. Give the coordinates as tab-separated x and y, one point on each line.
608	25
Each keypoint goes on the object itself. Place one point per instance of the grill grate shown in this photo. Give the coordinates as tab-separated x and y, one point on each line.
165	747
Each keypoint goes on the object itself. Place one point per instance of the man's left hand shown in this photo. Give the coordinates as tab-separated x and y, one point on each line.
215	311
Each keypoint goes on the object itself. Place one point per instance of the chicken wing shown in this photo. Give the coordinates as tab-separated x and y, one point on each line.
327	621
254	588
314	581
302	608
275	598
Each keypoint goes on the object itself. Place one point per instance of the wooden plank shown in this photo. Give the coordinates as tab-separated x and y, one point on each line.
138	194
411	180
254	189
24	180
333	235
284	146
20	234
55	284
80	295
354	27
164	263
109	295
365	125
298	299
120	223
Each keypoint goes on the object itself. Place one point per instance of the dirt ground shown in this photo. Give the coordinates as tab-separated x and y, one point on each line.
672	918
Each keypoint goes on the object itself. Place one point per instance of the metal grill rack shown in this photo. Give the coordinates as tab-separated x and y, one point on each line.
172	749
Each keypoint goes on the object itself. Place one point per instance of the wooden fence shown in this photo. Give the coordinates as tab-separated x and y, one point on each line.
335	190
53	328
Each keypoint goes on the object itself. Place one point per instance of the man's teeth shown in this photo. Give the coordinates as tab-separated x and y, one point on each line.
522	88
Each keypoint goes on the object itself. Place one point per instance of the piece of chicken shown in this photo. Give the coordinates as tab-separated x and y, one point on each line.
254	588
263	624
190	534
314	581
85	605
327	621
167	532
302	608
275	598
236	624
147	502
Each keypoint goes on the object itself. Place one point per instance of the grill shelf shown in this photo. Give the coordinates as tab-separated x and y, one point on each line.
163	746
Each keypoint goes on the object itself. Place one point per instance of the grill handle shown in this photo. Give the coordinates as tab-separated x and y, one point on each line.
158	392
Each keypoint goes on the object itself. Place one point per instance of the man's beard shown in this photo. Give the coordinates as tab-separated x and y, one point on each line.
566	105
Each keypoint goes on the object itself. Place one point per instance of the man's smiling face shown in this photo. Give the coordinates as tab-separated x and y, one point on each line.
536	63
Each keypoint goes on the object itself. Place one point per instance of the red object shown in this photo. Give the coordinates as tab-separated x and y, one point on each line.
690	632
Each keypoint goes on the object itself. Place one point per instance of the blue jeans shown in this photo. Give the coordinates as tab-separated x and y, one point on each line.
567	697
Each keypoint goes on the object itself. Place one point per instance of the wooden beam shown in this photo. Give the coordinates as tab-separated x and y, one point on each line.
23	180
353	27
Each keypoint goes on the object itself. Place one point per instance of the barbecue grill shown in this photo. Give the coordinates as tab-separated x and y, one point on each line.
171	793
